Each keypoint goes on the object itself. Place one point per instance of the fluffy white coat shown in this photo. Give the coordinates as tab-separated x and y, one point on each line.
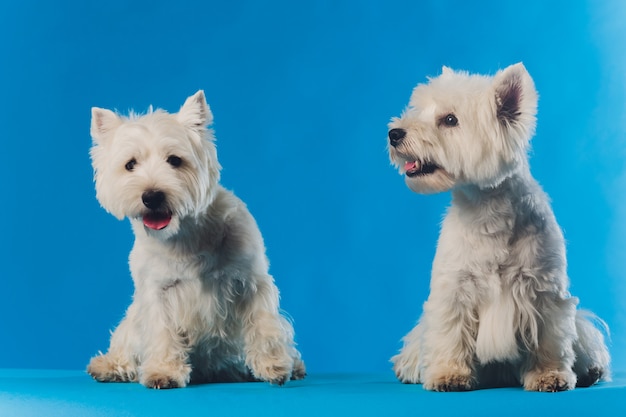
204	308
499	311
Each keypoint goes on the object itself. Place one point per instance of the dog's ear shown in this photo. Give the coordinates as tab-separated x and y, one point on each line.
102	122
195	113
516	97
446	70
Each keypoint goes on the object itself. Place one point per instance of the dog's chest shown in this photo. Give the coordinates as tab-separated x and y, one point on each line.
197	303
168	276
163	270
475	242
496	340
480	256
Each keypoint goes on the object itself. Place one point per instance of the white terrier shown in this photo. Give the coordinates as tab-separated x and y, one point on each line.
205	308
499	311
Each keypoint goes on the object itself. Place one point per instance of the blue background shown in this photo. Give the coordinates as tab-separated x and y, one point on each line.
301	93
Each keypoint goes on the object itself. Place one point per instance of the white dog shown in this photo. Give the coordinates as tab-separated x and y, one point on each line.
205	308
499	311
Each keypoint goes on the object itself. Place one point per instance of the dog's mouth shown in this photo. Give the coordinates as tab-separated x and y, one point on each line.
418	168
423	175
157	220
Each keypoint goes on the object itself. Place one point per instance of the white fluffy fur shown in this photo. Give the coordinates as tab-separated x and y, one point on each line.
499	311
204	308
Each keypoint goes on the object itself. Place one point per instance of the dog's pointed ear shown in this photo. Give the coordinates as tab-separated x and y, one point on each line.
446	70
516	97
102	122
195	113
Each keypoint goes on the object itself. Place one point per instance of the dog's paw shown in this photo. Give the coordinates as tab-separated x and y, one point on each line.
159	381
272	365
450	382
298	371
549	381
165	376
103	368
275	373
406	369
593	375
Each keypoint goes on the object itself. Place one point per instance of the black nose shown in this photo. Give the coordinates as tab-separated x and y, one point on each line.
396	136
153	199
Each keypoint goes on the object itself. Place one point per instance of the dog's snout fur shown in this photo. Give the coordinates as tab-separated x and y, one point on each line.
153	199
396	136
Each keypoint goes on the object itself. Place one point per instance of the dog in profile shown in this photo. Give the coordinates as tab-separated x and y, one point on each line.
499	312
205	307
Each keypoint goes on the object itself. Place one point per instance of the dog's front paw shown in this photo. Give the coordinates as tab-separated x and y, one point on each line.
276	373
105	368
165	376
593	375
549	381
273	365
406	368
160	381
447	382
299	370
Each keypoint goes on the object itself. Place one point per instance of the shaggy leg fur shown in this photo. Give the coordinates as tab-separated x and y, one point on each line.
111	367
449	346
164	362
592	355
406	364
269	353
550	362
116	365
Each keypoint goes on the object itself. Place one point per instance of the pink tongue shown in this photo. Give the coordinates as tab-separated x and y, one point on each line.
156	221
409	166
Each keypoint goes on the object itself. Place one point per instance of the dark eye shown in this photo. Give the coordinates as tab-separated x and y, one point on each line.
130	165
174	161
450	120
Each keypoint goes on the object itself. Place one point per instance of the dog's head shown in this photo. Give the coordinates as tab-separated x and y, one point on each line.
464	129
156	168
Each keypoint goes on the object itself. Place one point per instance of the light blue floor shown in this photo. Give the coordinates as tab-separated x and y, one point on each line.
73	393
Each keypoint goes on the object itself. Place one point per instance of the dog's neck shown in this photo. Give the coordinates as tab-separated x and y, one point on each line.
514	185
496	210
471	194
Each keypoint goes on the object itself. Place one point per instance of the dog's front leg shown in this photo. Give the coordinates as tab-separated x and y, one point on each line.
164	358
450	324
407	364
549	364
269	349
118	364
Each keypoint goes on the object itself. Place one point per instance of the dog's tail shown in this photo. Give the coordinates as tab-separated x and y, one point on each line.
592	355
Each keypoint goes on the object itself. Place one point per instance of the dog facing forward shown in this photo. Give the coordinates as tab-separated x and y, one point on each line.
499	312
204	308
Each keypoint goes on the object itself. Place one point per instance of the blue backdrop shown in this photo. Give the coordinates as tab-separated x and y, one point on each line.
301	93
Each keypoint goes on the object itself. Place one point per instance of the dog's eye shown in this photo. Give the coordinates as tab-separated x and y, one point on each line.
174	161
450	120
130	165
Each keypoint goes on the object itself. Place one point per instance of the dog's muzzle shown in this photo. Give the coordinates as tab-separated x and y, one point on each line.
158	216
396	136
